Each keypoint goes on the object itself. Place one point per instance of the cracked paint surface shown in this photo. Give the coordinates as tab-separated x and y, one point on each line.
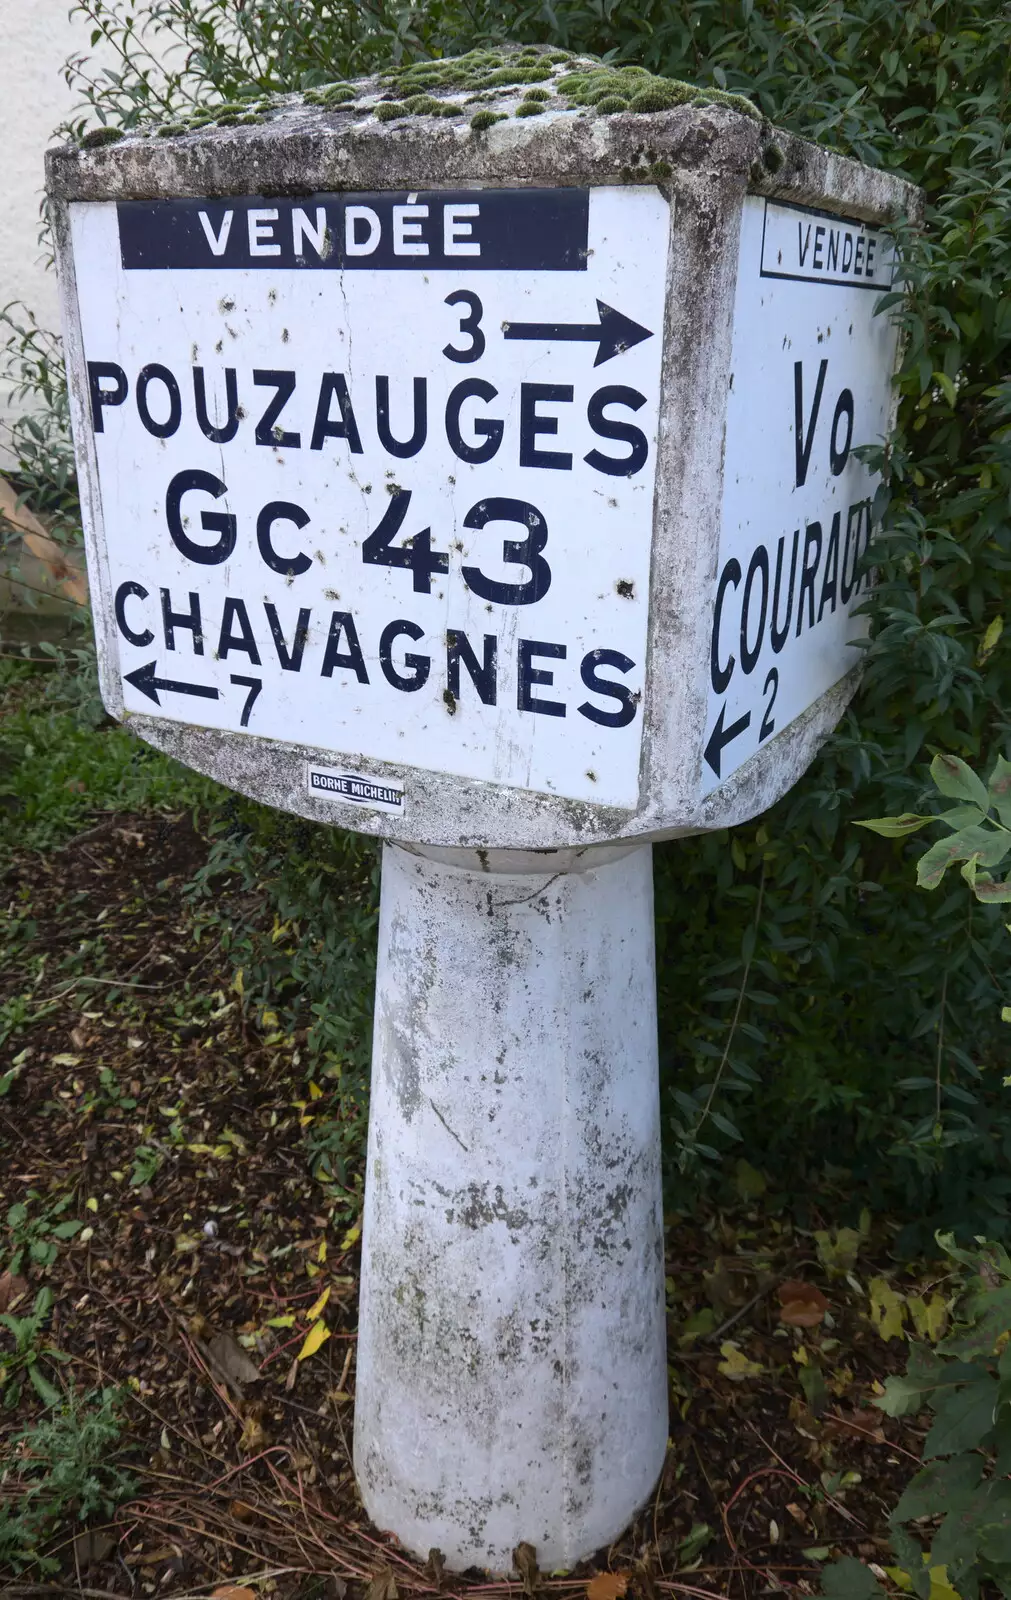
512	1312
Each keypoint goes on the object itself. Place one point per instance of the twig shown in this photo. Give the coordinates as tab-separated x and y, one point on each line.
760	1293
867	1434
847	1515
15	1591
940	1049
737	1014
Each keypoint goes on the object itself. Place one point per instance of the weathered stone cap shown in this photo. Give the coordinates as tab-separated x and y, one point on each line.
537	115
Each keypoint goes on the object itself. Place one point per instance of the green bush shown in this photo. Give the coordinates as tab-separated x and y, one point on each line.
63	1468
959	1502
813	1005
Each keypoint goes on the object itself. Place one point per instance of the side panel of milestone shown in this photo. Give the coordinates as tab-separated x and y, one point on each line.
810	384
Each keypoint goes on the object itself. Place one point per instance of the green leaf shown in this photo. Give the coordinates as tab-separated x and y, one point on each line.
999	789
694	1543
994	1537
907	1393
992	891
987	845
938	1484
963	1417
66	1230
991	639
47	1392
961	817
849	1579
953	777
894	827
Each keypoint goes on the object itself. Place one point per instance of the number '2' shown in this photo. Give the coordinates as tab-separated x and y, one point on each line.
768	724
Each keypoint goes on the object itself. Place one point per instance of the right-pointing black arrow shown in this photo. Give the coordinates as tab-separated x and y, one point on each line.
721	737
612	333
144	680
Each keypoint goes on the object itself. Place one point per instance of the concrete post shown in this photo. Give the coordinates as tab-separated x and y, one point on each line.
511	1359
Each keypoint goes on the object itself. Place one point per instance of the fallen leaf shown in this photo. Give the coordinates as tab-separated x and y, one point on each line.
435	1566
318	1335
930	1317
11	1290
240	1511
94	1544
607	1586
151	1558
253	1438
230	1358
289	1382
749	1182
867	1423
802	1305
382	1585
233	1591
315	1309
525	1562
839	1255
888	1308
735	1364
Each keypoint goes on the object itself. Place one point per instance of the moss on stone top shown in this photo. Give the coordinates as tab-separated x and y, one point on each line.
486	119
550	80
96	137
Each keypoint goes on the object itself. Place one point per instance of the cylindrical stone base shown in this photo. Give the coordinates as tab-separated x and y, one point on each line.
511	1379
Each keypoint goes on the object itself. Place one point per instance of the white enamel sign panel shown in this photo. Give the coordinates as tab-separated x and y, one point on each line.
811	383
376	472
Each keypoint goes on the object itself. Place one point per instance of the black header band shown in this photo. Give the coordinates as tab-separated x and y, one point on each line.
466	230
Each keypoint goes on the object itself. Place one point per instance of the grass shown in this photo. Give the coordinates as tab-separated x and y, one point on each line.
62	760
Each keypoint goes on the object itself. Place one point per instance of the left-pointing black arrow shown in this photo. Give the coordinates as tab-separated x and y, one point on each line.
612	334
144	679
721	737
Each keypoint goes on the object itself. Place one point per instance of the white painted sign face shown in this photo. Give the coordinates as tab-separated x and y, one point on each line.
811	370
376	474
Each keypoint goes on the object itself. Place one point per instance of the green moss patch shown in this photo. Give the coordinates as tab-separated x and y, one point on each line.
486	119
479	78
96	137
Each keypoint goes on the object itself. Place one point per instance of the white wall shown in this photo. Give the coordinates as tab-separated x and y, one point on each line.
36	37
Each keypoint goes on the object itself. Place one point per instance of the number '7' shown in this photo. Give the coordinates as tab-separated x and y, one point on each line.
254	685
